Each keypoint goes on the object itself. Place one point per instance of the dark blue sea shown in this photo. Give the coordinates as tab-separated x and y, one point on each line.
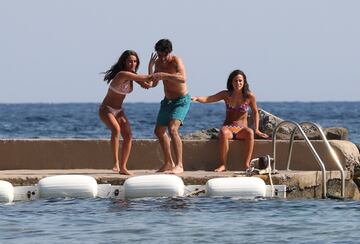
81	120
173	220
180	220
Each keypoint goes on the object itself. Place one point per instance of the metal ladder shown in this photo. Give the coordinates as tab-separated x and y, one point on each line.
312	149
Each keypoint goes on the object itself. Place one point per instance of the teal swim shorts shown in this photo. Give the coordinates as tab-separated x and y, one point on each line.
175	109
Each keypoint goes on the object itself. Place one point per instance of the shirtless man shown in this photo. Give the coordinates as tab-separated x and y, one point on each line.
174	107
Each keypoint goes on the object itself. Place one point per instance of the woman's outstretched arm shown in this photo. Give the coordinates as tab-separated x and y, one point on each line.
211	99
143	80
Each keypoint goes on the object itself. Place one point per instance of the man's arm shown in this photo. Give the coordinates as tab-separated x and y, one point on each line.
151	68
178	77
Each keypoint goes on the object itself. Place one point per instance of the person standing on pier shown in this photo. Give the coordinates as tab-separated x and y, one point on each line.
121	76
170	69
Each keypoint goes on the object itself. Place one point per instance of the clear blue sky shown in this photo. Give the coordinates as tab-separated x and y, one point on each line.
53	51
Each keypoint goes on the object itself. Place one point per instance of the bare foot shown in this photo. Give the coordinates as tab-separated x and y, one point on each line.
222	168
177	170
165	167
115	169
125	172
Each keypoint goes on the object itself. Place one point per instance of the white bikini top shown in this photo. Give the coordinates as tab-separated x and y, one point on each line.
121	88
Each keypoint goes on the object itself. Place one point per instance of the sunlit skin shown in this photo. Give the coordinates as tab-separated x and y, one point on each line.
163	57
235	117
131	63
170	69
120	125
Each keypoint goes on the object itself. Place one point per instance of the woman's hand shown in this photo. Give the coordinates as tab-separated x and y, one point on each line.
146	84
262	135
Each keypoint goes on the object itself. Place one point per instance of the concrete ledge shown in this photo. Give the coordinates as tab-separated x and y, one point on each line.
146	154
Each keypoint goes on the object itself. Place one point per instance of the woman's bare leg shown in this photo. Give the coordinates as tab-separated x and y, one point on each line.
111	122
224	136
126	145
247	135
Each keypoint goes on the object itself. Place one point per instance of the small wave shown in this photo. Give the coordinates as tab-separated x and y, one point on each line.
36	119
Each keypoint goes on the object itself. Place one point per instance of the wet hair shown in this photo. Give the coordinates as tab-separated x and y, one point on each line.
229	85
120	65
163	45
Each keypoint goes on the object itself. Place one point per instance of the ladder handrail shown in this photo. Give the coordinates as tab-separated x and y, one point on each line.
332	153
309	144
329	147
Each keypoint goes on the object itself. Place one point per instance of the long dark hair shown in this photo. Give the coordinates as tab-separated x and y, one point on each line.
120	65
229	85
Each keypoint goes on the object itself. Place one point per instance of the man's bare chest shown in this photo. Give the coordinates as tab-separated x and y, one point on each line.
170	68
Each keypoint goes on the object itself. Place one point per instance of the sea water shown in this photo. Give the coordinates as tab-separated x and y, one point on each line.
180	220
81	120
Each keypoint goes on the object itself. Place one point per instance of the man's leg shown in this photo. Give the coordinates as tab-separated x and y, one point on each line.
177	145
160	132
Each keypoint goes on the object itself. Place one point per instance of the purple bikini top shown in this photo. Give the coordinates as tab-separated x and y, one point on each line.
244	107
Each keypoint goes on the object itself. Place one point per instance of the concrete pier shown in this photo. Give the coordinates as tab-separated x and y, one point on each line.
146	154
25	162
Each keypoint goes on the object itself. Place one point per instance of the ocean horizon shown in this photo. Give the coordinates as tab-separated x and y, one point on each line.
81	120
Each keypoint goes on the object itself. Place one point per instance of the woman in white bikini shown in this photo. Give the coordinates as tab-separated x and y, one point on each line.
238	99
121	76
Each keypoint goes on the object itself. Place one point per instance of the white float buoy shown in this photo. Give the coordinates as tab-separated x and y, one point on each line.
244	187
153	186
6	191
75	186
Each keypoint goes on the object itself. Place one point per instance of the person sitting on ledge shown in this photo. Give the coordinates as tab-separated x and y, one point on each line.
238	99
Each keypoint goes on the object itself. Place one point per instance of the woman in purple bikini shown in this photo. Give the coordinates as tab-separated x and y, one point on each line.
238	99
121	76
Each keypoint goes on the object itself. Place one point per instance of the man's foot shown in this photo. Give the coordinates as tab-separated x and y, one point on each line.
165	167
125	172
222	168
177	170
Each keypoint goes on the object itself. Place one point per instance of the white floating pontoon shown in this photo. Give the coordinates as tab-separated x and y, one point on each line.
6	191
81	186
159	185
154	186
246	187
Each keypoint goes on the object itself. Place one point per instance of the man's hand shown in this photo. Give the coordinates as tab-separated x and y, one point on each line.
152	61
157	76
147	84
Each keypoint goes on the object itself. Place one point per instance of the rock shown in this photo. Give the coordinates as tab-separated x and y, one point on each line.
337	133
267	124
356	175
208	134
